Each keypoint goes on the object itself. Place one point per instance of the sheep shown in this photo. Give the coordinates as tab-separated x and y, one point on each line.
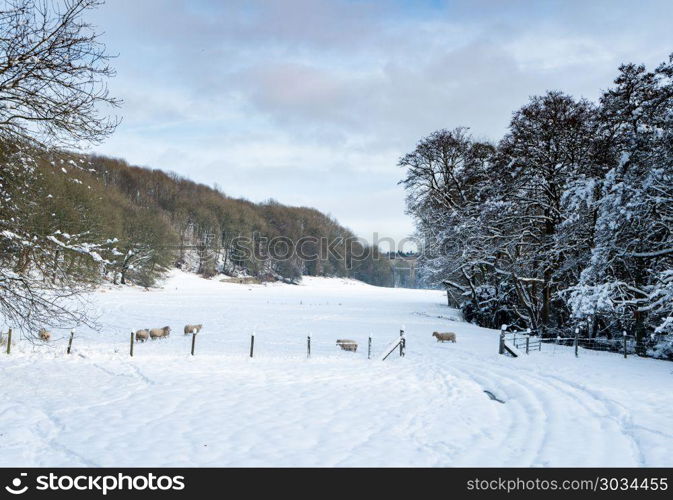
347	345
192	329
142	335
157	333
44	335
445	337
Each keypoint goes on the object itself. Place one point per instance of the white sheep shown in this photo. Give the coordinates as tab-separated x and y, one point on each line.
192	329
347	345
157	333
44	335
445	337
142	335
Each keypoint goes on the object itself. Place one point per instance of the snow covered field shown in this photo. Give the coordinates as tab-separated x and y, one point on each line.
99	407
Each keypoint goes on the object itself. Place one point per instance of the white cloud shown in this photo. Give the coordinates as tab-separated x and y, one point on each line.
312	101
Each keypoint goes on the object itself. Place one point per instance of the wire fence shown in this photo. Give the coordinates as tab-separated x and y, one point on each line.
626	345
524	341
529	341
262	344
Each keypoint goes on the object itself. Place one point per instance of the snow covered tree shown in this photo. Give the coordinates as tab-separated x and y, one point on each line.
570	216
491	219
52	90
628	279
448	187
44	269
553	145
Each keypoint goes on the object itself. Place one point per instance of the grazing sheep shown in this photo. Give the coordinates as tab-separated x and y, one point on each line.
44	335
192	329
347	345
142	335
445	337
158	333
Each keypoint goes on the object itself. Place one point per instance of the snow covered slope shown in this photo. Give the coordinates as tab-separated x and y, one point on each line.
99	407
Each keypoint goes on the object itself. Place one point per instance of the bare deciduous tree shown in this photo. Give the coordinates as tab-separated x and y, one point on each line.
53	72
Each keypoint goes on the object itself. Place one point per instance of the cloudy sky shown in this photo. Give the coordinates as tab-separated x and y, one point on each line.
311	102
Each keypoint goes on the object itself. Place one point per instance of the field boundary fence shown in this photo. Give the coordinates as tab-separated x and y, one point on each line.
253	345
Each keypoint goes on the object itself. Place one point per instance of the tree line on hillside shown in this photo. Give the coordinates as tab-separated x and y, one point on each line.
565	222
198	228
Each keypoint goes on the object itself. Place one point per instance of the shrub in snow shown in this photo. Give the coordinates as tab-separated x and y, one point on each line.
663	348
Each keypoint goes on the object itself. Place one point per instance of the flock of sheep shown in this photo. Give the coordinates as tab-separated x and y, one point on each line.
161	333
141	335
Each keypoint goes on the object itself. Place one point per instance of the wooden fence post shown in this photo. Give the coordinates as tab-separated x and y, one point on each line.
72	334
369	347
9	341
252	344
308	346
401	341
527	340
624	344
193	342
576	342
131	344
501	349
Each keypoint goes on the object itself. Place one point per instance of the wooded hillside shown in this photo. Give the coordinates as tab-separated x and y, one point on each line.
146	221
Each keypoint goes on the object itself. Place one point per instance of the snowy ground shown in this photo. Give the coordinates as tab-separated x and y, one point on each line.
99	407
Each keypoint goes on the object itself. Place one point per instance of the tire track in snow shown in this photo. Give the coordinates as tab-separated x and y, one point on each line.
617	413
524	435
427	426
596	409
564	413
520	435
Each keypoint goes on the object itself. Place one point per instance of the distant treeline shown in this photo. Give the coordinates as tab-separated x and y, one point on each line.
143	222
